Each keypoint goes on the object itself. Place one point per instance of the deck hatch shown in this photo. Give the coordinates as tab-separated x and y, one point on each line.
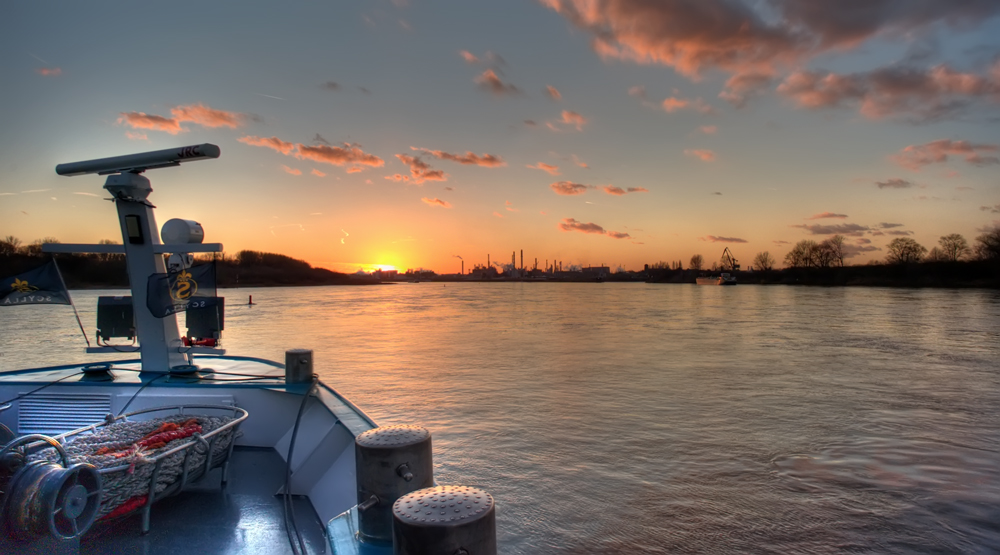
54	413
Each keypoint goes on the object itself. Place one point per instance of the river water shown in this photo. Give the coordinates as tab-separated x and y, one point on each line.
638	418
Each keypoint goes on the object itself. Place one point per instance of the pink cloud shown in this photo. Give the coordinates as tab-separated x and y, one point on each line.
673	104
618	191
740	38
915	157
49	71
497	214
469	57
354	169
714	239
136	136
489	81
995	209
510	207
197	114
553	93
708	129
421	171
349	154
468	159
570	117
579	162
318	173
291	171
570	224
825	215
569	188
436	202
923	95
142	120
552	170
637	91
269	142
702	154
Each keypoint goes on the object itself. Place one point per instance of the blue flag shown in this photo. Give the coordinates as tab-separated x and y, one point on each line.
43	285
174	292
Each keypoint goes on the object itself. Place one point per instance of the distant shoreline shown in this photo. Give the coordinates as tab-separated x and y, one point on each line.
254	269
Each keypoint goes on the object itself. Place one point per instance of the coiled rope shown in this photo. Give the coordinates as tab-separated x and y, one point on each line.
123	453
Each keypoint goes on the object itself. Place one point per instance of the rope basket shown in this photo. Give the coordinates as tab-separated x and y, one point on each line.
141	461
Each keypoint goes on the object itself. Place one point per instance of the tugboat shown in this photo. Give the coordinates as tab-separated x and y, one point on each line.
724	278
186	449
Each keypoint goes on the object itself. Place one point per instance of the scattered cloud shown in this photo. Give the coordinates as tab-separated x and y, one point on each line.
449	188
49	71
714	239
579	162
703	154
331	86
850	251
570	224
530	122
317	173
899	233
291	171
468	159
919	94
319	139
497	214
755	41
618	191
995	209
552	170
197	114
894	183
637	91
826	215
782	242
436	202
489	81
915	157
79	193
420	171
569	118
354	169
673	104
348	154
886	225
469	57
553	93
717	193
851	230
568	188
136	136
708	129
364	90
510	207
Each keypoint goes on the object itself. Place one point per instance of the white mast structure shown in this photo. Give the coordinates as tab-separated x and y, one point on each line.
159	339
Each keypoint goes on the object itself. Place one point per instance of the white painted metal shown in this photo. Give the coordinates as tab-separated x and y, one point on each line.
141	162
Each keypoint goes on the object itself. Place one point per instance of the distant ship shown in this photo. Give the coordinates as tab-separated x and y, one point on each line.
721	279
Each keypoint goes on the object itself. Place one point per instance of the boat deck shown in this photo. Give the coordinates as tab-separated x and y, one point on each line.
245	517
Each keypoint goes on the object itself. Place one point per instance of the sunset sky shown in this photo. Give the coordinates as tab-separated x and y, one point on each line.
409	133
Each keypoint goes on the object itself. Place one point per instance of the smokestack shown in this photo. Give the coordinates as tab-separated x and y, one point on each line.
463	267
488	261
522	259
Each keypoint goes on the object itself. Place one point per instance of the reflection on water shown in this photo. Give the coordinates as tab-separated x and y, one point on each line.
610	418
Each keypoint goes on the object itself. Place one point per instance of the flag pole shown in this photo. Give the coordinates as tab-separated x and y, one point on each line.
75	313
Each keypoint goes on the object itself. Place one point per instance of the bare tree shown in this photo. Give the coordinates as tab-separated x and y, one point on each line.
903	250
937	255
763	261
824	254
988	245
10	245
836	246
696	262
802	255
954	247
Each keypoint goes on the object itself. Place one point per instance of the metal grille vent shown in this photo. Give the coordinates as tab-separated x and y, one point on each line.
55	413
